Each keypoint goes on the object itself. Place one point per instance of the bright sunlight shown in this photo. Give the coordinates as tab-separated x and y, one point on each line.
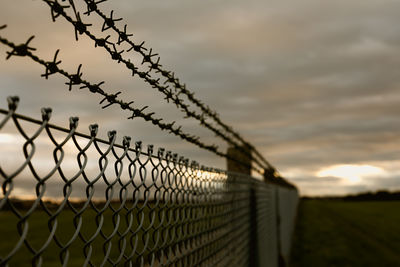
352	173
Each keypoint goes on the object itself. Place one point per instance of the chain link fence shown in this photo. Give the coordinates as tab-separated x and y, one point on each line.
74	199
69	198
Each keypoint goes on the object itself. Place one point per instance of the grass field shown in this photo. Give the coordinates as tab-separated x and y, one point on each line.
338	233
39	232
157	228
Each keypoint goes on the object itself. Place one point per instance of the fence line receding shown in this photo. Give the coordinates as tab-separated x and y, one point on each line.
70	198
136	209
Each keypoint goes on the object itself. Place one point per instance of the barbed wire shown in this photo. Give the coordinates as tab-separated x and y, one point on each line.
92	6
110	99
81	28
109	23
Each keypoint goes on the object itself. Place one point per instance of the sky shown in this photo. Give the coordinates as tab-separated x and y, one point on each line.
314	85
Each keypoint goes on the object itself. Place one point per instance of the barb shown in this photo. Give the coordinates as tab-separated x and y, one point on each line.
109	22
92	6
52	67
56	9
75	79
22	49
111	99
80	27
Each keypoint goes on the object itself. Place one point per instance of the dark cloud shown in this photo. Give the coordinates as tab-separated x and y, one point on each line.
392	181
314	180
311	84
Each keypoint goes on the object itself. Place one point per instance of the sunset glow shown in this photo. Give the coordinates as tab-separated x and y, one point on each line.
352	173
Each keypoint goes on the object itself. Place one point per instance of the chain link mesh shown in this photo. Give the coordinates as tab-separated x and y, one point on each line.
96	202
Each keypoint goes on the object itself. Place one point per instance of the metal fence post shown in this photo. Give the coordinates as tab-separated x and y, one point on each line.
254	249
234	156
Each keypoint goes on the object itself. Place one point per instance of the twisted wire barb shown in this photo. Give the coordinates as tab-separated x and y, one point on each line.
51	67
109	23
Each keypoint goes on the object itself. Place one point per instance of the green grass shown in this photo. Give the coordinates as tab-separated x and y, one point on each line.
338	233
39	232
174	231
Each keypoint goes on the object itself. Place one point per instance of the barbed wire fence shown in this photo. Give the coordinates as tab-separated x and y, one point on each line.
140	208
170	95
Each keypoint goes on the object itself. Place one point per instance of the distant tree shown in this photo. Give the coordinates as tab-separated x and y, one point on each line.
381	195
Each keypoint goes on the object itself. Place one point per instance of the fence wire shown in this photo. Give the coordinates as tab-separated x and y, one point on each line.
226	133
98	202
73	199
52	67
169	76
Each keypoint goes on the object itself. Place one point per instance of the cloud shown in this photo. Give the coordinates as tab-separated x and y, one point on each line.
310	84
